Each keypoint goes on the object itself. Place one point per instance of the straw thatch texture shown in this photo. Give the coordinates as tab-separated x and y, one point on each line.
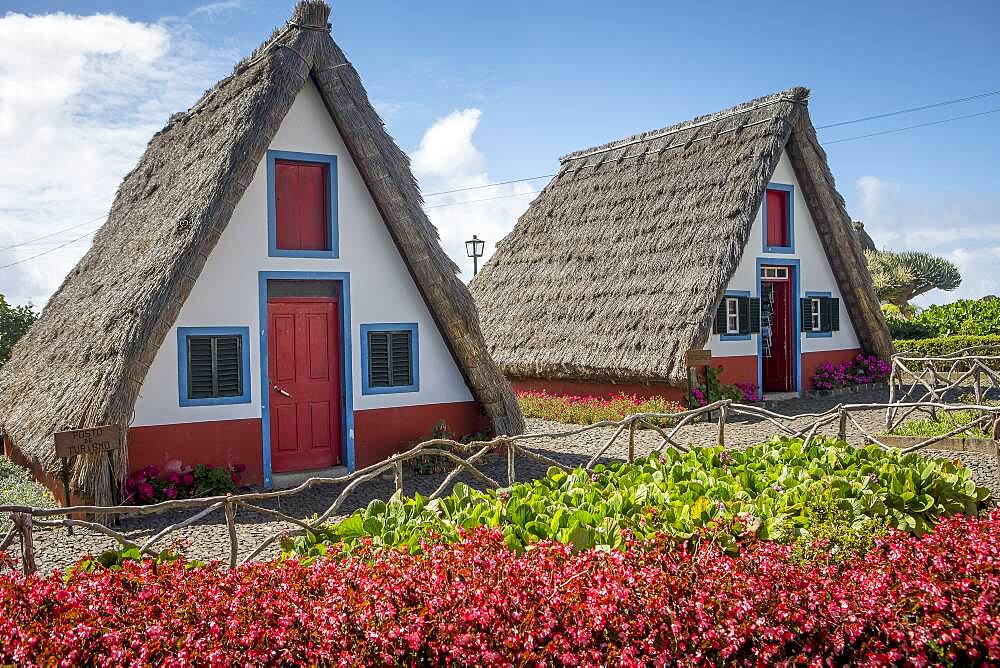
618	266
83	362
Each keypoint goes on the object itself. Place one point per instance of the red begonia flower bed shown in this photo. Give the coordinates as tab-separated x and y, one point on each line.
912	600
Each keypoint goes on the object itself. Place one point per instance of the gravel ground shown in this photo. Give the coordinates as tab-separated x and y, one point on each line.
209	539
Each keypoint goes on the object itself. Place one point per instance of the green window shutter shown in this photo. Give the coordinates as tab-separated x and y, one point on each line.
806	309
378	359
401	358
743	308
834	310
199	352
720	318
754	315
215	366
824	315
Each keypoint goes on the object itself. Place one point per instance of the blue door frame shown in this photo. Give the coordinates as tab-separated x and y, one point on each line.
793	267
346	360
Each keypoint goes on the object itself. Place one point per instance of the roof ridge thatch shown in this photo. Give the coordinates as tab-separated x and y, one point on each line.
795	95
618	265
84	361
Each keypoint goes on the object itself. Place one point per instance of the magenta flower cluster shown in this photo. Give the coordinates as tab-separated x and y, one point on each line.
910	601
175	481
750	392
861	370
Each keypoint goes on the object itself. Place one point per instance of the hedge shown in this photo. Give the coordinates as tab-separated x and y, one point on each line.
909	601
944	345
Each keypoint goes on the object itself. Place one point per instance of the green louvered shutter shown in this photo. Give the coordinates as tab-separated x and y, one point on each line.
378	359
806	308
743	308
720	318
834	310
825	320
754	315
228	366
215	366
401	359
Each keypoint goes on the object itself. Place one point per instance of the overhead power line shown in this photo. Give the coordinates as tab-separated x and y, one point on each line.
911	127
51	250
910	110
52	234
490	185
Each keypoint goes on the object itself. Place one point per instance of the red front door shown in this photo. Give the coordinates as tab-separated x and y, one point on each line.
778	349
303	348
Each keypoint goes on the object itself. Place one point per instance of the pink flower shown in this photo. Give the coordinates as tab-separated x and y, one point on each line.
170	492
188	480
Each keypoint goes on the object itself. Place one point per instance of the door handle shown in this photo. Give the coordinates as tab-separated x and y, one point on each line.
281	391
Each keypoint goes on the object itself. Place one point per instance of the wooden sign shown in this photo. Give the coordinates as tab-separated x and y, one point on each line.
88	441
696	357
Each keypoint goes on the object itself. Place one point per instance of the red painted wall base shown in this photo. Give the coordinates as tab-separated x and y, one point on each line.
382	432
742	369
217	443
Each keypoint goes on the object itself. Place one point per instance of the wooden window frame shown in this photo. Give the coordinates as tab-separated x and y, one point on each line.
368	328
789	191
333	233
183	371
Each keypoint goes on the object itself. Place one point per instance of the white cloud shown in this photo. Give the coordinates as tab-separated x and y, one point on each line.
80	96
447	159
214	8
964	228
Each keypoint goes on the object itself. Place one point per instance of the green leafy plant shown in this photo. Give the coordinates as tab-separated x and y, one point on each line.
944	345
14	322
114	559
900	327
968	317
18	488
432	463
570	409
942	423
769	491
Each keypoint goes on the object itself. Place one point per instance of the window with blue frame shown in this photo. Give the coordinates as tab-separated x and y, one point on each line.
302	205
213	365
778	218
389	358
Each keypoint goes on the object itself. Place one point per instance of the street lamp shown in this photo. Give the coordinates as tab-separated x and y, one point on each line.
474	249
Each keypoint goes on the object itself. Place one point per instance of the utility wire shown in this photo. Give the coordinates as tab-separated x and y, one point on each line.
911	109
52	234
51	250
910	127
484	199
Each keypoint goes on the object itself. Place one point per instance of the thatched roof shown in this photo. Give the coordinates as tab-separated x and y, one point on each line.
618	266
85	359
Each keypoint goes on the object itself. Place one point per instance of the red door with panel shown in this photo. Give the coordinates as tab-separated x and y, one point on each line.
304	383
778	350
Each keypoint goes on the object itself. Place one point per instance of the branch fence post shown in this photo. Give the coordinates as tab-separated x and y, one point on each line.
22	522
511	472
231	524
842	428
631	441
723	416
397	475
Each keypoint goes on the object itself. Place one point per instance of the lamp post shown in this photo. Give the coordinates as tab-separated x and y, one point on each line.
474	249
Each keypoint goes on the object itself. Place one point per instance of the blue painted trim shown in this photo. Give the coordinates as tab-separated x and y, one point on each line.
790	248
414	356
735	337
818	335
346	360
796	318
182	364
331	176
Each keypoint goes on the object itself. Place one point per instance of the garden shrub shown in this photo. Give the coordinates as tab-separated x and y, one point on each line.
861	370
176	481
908	601
942	423
944	345
771	489
965	317
18	488
571	409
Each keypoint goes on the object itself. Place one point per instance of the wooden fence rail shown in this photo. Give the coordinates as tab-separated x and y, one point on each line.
668	426
917	383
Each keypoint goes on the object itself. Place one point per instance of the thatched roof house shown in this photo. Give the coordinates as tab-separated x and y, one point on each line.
185	247
622	262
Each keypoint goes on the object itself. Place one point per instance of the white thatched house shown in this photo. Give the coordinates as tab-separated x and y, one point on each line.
723	232
266	290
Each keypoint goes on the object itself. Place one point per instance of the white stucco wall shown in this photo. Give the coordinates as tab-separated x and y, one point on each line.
226	293
815	274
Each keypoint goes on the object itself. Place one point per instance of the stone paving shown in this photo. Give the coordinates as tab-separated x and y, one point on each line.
209	537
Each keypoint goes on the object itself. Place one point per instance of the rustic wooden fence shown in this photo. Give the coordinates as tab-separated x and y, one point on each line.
927	381
467	458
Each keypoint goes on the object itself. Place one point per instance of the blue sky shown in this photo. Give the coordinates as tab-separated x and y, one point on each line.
482	92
